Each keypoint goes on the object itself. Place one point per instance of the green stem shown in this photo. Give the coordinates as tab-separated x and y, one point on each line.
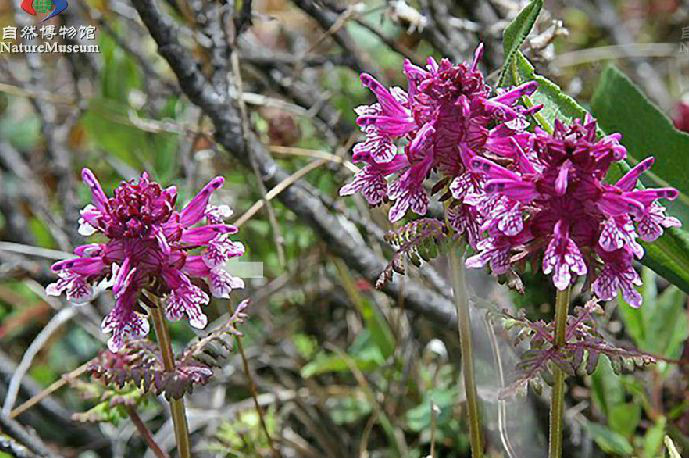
461	297
179	417
558	394
253	390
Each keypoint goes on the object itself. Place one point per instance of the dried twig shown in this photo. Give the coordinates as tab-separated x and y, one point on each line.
58	320
64	380
277	233
284	184
145	433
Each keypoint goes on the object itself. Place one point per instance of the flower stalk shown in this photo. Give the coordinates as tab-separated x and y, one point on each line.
461	297
145	433
179	416
562	300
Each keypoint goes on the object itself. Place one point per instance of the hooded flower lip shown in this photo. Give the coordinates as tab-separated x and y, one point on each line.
150	246
445	115
552	198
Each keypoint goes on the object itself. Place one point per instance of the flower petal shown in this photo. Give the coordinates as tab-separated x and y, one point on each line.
195	210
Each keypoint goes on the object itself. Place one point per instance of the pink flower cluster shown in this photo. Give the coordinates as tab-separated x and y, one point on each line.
446	114
150	246
514	194
547	197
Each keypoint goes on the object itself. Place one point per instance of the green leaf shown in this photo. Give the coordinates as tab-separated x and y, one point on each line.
556	104
621	107
606	388
624	418
669	256
324	363
646	131
610	441
378	327
419	417
41	233
306	345
516	33
670	323
348	410
375	321
364	353
653	439
662	327
22	132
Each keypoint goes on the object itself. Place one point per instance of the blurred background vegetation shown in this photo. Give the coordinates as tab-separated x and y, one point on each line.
342	369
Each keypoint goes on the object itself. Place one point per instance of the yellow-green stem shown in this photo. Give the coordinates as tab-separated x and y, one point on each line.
179	416
253	390
558	394
461	297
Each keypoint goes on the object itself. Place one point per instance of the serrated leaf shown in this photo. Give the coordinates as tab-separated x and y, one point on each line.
516	33
556	104
409	241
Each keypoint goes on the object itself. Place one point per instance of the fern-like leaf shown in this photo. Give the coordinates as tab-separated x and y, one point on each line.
140	363
416	241
112	404
584	345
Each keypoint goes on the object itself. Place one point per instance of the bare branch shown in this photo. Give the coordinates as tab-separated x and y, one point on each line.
336	231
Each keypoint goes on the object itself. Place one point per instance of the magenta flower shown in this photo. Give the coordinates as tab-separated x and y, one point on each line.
549	199
445	115
150	246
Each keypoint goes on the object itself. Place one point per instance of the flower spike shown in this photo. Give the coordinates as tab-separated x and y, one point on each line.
149	246
580	225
